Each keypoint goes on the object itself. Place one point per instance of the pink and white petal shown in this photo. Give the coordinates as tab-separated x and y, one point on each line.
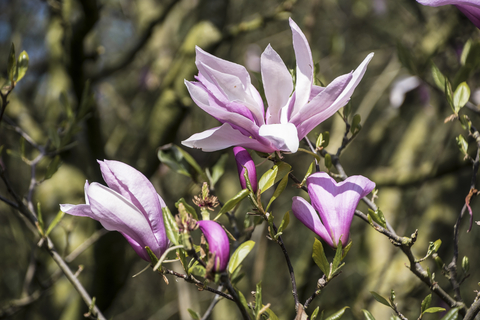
320	108
116	213
141	251
210	106
304	71
223	137
309	217
437	3
315	91
284	137
235	91
135	187
277	82
224	66
472	12
80	210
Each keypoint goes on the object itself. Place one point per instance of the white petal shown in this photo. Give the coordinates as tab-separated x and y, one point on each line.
284	137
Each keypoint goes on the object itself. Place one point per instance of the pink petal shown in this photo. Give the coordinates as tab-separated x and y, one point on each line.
137	189
217	242
80	210
141	250
244	160
309	217
223	137
304	72
437	3
277	82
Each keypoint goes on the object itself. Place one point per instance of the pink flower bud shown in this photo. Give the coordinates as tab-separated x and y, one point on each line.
217	242
244	160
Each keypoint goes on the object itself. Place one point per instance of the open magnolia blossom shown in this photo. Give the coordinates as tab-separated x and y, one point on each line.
129	205
470	8
217	243
224	90
335	202
245	161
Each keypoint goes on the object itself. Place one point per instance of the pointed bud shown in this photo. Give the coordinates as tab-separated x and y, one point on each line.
244	161
217	242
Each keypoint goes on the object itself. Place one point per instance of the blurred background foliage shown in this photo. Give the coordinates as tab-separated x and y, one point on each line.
136	55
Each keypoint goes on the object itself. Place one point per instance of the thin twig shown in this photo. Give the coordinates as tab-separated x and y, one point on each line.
226	282
212	305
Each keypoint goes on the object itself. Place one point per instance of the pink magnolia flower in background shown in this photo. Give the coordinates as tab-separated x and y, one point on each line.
129	205
244	160
470	8
217	243
335	202
224	90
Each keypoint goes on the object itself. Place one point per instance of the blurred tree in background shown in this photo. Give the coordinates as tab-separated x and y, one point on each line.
110	74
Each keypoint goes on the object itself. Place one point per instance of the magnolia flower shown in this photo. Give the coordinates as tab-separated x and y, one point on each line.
335	202
470	8
217	242
244	160
129	205
224	90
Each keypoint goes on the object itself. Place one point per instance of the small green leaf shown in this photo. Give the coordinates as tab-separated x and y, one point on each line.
323	140
438	77
53	167
237	257
452	314
193	314
462	144
426	303
346	249
368	315
197	270
258	300
188	207
338	256
465	122
153	257
449	94
434	310
285	222
173	159
281	186
309	172
380	299
337	315
465	52
54	223
378	217
243	301
22	65
314	313
191	161
11	66
230	204
170	226
461	96
271	314
268	179
218	169
347	109
328	160
355	124
319	257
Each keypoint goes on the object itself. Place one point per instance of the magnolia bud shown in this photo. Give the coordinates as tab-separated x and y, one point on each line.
244	160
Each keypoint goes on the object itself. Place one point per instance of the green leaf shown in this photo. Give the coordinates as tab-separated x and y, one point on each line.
461	96
323	139
449	94
338	256
378	217
465	264
465	52
170	226
193	314
173	159
438	77
355	123
465	122
197	270
22	65
11	66
328	161
272	176
54	223
434	310
218	169
316	156
281	186
258	300
380	299
230	204
53	167
314	313
188	207
237	257
338	314
191	161
426	303
347	109
243	301
271	314
309	172
368	315
452	314
462	144
153	257
346	249
319	257
285	222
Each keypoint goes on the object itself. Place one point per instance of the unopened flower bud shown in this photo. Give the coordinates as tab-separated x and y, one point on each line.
244	161
217	242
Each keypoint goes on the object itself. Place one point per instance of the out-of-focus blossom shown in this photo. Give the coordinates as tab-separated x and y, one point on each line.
129	205
244	160
335	202
224	90
400	88
217	243
470	8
